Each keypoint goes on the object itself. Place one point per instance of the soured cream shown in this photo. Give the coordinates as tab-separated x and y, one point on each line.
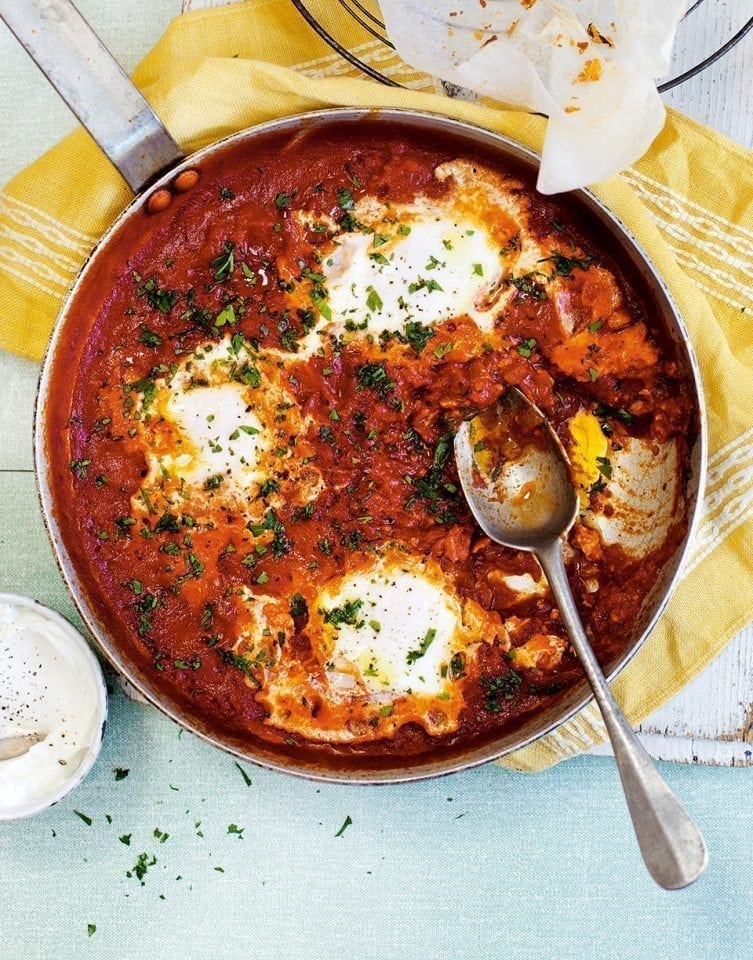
50	685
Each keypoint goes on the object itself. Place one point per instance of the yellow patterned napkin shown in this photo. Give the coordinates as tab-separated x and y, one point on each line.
689	202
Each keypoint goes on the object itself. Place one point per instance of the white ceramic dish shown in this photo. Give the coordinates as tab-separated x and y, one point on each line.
54	688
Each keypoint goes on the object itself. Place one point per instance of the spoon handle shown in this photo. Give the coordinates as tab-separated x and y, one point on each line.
671	844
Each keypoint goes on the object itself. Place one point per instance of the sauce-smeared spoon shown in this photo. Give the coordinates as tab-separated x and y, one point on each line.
514	473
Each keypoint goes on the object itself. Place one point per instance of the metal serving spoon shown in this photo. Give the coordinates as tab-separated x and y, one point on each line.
530	504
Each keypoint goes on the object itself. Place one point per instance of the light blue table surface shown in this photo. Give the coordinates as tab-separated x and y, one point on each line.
485	864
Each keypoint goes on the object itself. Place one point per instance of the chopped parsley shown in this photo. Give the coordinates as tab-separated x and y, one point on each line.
528	286
157	297
226	315
427	641
430	486
246	778
526	347
348	614
298	606
149	338
418	334
139	869
497	689
242	663
345	199
564	266
224	264
373	300
346	823
374	376
605	466
283	200
80	468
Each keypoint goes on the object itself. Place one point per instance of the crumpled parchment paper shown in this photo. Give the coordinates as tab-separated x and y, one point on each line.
590	65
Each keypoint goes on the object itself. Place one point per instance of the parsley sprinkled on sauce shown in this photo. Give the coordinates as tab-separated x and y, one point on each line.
427	641
82	816
283	200
157	297
91	929
224	264
121	773
149	338
148	390
298	606
526	347
226	315
80	468
442	349
564	266
345	199
374	376
241	663
528	286
501	688
430	487
417	335
226	194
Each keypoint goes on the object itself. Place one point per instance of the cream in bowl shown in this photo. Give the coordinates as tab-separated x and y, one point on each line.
52	692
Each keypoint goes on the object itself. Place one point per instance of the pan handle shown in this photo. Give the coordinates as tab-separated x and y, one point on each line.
95	87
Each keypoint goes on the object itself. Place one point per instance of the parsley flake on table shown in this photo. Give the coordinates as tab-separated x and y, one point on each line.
346	823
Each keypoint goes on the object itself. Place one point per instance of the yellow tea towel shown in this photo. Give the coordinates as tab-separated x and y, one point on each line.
689	202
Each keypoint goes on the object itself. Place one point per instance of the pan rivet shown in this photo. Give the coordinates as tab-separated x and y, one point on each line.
159	200
186	180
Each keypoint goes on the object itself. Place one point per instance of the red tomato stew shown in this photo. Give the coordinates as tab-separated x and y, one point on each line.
251	442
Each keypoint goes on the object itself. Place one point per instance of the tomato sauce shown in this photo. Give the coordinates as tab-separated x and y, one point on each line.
167	588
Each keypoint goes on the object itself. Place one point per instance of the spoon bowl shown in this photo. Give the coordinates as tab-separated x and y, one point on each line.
516	479
524	501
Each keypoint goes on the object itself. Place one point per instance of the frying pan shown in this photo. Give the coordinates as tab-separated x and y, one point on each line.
147	157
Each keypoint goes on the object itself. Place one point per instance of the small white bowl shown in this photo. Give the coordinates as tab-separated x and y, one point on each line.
71	677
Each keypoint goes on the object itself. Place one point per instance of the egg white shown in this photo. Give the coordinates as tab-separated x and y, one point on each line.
643	496
406	629
211	437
